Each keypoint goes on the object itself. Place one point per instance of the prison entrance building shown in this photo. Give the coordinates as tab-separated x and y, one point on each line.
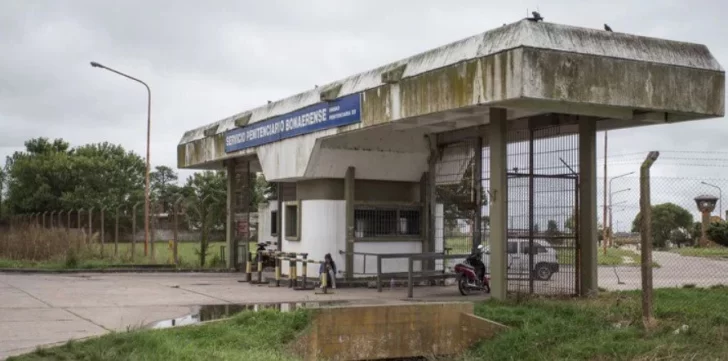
487	140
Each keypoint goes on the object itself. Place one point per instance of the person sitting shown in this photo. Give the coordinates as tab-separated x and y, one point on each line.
329	268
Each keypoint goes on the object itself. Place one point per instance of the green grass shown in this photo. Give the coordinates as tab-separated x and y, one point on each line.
187	253
607	327
247	336
716	252
610	328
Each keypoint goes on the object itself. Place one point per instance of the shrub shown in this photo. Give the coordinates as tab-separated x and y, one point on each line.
718	233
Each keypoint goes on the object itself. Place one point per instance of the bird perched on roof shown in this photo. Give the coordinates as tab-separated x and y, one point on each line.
536	16
607	28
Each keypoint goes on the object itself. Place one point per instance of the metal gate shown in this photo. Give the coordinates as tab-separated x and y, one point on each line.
542	249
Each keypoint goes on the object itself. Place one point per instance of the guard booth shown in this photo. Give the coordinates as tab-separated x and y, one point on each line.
488	140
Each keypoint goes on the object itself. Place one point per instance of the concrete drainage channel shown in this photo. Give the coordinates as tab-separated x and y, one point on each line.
345	330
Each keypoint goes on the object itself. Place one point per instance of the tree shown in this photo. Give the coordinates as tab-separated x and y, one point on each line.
205	195
50	176
2	188
459	200
666	218
163	186
718	233
552	228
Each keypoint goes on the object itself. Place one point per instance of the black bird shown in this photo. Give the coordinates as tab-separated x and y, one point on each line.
607	28
536	16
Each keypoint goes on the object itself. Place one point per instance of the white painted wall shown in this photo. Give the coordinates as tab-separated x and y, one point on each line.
264	220
323	230
388	265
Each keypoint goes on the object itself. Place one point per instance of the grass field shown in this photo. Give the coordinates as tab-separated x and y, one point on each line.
188	254
716	252
692	325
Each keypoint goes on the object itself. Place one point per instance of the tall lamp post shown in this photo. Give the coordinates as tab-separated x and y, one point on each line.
604	236
611	205
149	127
720	197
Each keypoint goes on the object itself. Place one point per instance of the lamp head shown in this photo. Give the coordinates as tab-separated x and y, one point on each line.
96	65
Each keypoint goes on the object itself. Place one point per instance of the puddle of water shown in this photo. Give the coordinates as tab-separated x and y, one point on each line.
204	313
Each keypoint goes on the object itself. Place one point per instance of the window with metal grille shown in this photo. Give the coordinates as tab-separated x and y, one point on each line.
292	219
387	222
273	223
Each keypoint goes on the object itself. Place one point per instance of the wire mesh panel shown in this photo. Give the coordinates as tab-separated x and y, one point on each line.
456	182
542	246
682	255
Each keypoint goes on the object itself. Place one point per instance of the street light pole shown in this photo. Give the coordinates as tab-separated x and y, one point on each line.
604	241
611	206
149	129
720	197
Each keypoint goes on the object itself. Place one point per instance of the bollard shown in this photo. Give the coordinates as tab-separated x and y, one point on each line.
292	270
248	266
278	271
324	277
305	270
259	256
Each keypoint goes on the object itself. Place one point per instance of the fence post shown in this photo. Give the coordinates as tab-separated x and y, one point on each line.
379	273
60	219
646	254
44	219
133	230
116	232
102	231
304	270
90	225
153	229
51	219
410	268
176	210
80	227
68	221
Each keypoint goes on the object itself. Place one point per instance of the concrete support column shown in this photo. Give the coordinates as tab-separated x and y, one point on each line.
230	214
478	192
279	215
588	206
498	202
349	199
430	194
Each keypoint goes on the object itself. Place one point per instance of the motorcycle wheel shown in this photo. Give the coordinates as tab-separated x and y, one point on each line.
463	286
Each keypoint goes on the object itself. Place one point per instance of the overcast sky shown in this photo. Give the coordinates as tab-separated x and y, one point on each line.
206	60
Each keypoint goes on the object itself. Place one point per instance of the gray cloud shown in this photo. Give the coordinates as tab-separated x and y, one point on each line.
206	61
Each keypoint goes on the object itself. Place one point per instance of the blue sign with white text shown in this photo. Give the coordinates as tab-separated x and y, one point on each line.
320	116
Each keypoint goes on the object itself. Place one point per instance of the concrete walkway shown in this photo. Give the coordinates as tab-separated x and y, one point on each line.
46	309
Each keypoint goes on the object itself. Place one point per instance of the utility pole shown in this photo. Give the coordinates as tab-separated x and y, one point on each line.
604	208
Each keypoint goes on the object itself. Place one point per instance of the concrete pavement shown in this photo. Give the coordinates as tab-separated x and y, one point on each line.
46	309
41	309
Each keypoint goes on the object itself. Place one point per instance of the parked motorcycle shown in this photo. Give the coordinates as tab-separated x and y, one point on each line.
467	273
267	260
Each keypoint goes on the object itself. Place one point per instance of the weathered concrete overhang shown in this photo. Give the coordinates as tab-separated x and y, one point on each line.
530	68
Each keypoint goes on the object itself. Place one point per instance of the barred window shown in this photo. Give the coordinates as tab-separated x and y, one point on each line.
387	222
274	223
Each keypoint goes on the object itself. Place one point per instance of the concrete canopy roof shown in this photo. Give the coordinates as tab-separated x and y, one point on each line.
536	66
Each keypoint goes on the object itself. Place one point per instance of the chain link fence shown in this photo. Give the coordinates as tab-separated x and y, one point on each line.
683	256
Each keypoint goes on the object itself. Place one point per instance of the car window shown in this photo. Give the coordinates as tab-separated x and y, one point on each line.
512	247
539	248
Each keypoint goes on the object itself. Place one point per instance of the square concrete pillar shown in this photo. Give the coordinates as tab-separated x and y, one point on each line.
588	207
349	199
231	245
498	202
